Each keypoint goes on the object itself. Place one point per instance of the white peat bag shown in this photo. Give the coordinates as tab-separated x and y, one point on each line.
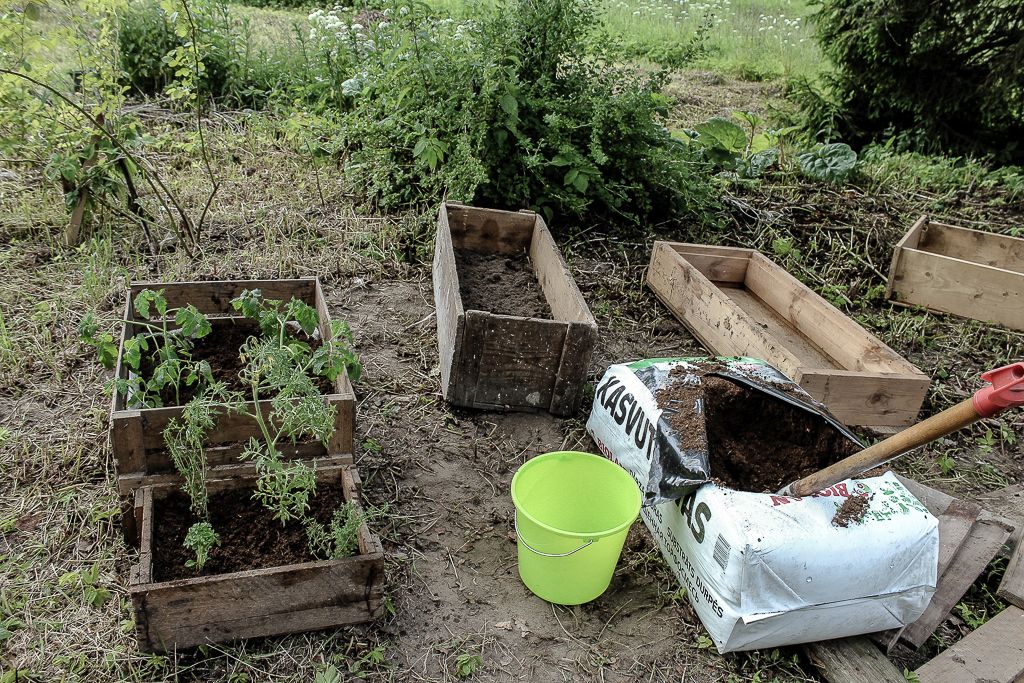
764	570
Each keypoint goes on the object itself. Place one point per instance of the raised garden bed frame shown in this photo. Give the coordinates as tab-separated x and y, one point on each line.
737	302
261	602
509	362
969	273
136	434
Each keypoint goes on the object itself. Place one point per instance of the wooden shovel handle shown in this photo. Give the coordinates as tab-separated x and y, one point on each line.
949	420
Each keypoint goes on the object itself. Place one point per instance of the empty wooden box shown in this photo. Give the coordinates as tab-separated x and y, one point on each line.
975	274
738	302
501	361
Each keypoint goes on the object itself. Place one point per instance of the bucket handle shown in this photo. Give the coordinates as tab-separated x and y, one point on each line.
515	522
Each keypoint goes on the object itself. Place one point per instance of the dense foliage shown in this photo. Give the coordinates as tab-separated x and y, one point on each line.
523	108
939	76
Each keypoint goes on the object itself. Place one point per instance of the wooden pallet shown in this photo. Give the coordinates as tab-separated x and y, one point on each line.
737	302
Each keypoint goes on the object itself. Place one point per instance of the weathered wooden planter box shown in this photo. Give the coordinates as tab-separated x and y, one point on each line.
262	602
508	362
136	434
974	274
737	302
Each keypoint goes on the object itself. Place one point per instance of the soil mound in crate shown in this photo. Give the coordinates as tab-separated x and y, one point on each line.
755	442
220	349
504	284
250	537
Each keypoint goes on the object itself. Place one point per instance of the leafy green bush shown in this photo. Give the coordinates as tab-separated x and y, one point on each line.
512	111
939	76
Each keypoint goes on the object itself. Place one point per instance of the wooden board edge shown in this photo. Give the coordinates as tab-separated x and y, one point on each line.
912	235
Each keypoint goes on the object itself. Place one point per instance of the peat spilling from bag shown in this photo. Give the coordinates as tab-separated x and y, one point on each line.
754	442
504	284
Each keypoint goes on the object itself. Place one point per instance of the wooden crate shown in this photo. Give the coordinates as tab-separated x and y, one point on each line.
261	602
970	273
136	434
738	303
508	362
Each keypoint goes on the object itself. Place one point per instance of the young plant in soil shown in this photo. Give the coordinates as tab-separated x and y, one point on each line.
166	341
280	364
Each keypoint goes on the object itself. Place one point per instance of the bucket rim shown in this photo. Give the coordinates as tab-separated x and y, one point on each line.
575	534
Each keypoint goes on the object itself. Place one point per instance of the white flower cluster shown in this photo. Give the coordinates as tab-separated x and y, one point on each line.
787	31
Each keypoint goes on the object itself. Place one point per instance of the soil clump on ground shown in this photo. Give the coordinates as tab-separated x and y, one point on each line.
249	537
220	349
504	284
852	511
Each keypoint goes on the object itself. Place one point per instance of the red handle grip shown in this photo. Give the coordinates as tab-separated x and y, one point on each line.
1006	390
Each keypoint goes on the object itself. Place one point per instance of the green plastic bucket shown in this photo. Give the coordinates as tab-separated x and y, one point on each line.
573	511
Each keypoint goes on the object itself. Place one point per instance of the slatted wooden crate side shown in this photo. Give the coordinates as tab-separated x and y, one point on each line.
448	305
213	297
737	302
262	602
951	269
489	230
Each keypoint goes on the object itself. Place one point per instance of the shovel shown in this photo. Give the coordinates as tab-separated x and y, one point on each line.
1006	390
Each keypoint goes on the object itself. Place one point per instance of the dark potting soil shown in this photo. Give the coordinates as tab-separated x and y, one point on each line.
220	350
754	442
250	537
852	511
504	284
759	443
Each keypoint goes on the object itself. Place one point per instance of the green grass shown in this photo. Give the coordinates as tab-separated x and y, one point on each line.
750	39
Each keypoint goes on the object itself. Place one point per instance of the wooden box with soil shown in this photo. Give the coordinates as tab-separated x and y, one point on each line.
136	433
739	303
974	274
260	581
514	332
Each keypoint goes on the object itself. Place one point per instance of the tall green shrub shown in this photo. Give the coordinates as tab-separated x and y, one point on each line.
940	76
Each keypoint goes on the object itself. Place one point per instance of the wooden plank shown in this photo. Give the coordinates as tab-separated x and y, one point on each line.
867	398
489	230
710	249
956	517
719	268
127	441
993	653
517	363
976	246
1009	502
960	287
261	602
852	660
721	325
908	241
778	327
843	340
577	349
560	290
214	297
447	305
986	537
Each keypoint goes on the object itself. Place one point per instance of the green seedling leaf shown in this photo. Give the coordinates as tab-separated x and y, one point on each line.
133	349
147	300
201	538
304	314
249	303
193	323
467	664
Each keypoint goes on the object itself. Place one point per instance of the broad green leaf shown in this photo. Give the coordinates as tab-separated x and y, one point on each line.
193	323
722	134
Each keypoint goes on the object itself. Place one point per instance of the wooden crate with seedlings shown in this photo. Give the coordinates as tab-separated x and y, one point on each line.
737	302
503	361
136	433
970	273
261	602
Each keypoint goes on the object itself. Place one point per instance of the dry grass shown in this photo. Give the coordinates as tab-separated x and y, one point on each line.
59	513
